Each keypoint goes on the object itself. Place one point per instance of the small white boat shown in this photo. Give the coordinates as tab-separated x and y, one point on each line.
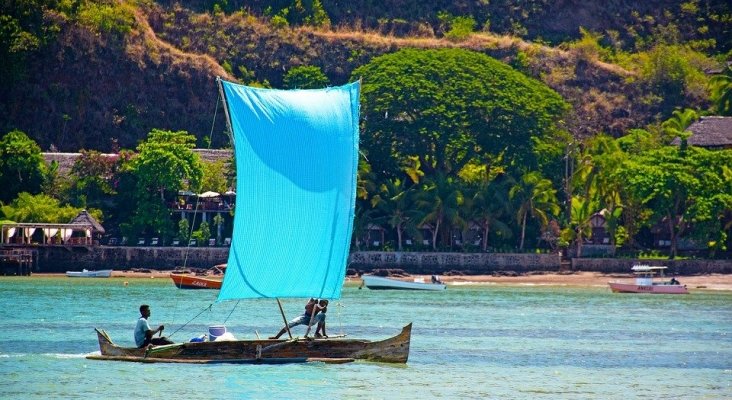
379	283
85	273
644	282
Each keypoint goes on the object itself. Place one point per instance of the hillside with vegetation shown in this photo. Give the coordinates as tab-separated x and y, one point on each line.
101	74
537	103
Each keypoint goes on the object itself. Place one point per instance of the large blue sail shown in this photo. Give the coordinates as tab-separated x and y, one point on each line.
296	163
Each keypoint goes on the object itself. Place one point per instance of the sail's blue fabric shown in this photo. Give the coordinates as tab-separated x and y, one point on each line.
296	162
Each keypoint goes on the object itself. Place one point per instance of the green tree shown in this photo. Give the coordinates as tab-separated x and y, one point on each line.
41	208
395	202
305	77
165	163
535	197
488	207
21	165
676	126
450	106
456	27
202	234
184	230
721	85
214	176
92	182
440	200
680	190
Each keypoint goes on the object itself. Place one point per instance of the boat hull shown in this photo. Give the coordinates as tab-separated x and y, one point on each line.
381	283
617	287
392	350
195	282
104	273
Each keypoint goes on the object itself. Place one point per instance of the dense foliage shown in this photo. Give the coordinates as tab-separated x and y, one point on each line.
449	108
471	140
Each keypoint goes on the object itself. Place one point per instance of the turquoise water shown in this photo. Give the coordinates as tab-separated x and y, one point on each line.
517	342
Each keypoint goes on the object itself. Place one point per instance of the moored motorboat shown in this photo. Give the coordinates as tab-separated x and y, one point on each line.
102	273
185	281
646	281
381	283
211	279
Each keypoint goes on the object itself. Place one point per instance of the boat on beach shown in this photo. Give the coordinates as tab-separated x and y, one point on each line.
85	273
211	279
296	176
381	283
649	279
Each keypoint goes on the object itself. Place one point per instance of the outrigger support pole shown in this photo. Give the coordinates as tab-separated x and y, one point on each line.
287	326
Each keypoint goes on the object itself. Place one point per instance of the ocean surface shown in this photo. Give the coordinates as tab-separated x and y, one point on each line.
468	342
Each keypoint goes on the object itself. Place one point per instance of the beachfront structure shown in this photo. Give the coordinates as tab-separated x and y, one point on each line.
28	234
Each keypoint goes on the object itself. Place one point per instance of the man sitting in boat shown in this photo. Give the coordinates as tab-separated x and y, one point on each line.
673	281
143	333
313	305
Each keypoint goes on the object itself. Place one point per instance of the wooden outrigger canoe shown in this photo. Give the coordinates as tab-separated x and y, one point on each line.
265	351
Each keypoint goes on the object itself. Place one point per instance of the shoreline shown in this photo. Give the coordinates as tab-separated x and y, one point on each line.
721	282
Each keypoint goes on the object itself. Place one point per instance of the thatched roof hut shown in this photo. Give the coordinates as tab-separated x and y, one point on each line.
85	218
712	132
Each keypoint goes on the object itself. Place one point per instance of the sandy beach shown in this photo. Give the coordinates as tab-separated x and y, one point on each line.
586	279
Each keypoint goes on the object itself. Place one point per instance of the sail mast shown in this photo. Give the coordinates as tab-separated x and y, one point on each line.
229	131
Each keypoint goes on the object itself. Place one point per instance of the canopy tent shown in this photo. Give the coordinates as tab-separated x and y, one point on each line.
209	195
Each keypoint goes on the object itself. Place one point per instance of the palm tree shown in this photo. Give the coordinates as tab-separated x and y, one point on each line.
485	207
722	91
535	197
677	124
396	204
361	219
440	200
579	220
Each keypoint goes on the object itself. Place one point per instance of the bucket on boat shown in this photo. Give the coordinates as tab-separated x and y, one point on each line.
215	331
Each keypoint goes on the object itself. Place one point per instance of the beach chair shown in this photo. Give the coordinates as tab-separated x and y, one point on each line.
212	242
141	241
154	242
227	242
176	242
193	243
112	241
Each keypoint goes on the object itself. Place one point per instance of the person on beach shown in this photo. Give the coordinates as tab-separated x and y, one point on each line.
313	305
143	333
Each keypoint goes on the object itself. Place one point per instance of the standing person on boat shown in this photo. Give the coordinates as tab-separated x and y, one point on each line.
143	333
314	308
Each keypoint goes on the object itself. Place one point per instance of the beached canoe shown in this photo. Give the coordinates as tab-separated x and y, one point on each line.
392	350
381	283
102	273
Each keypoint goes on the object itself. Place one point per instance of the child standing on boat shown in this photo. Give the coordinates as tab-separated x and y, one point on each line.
314	308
